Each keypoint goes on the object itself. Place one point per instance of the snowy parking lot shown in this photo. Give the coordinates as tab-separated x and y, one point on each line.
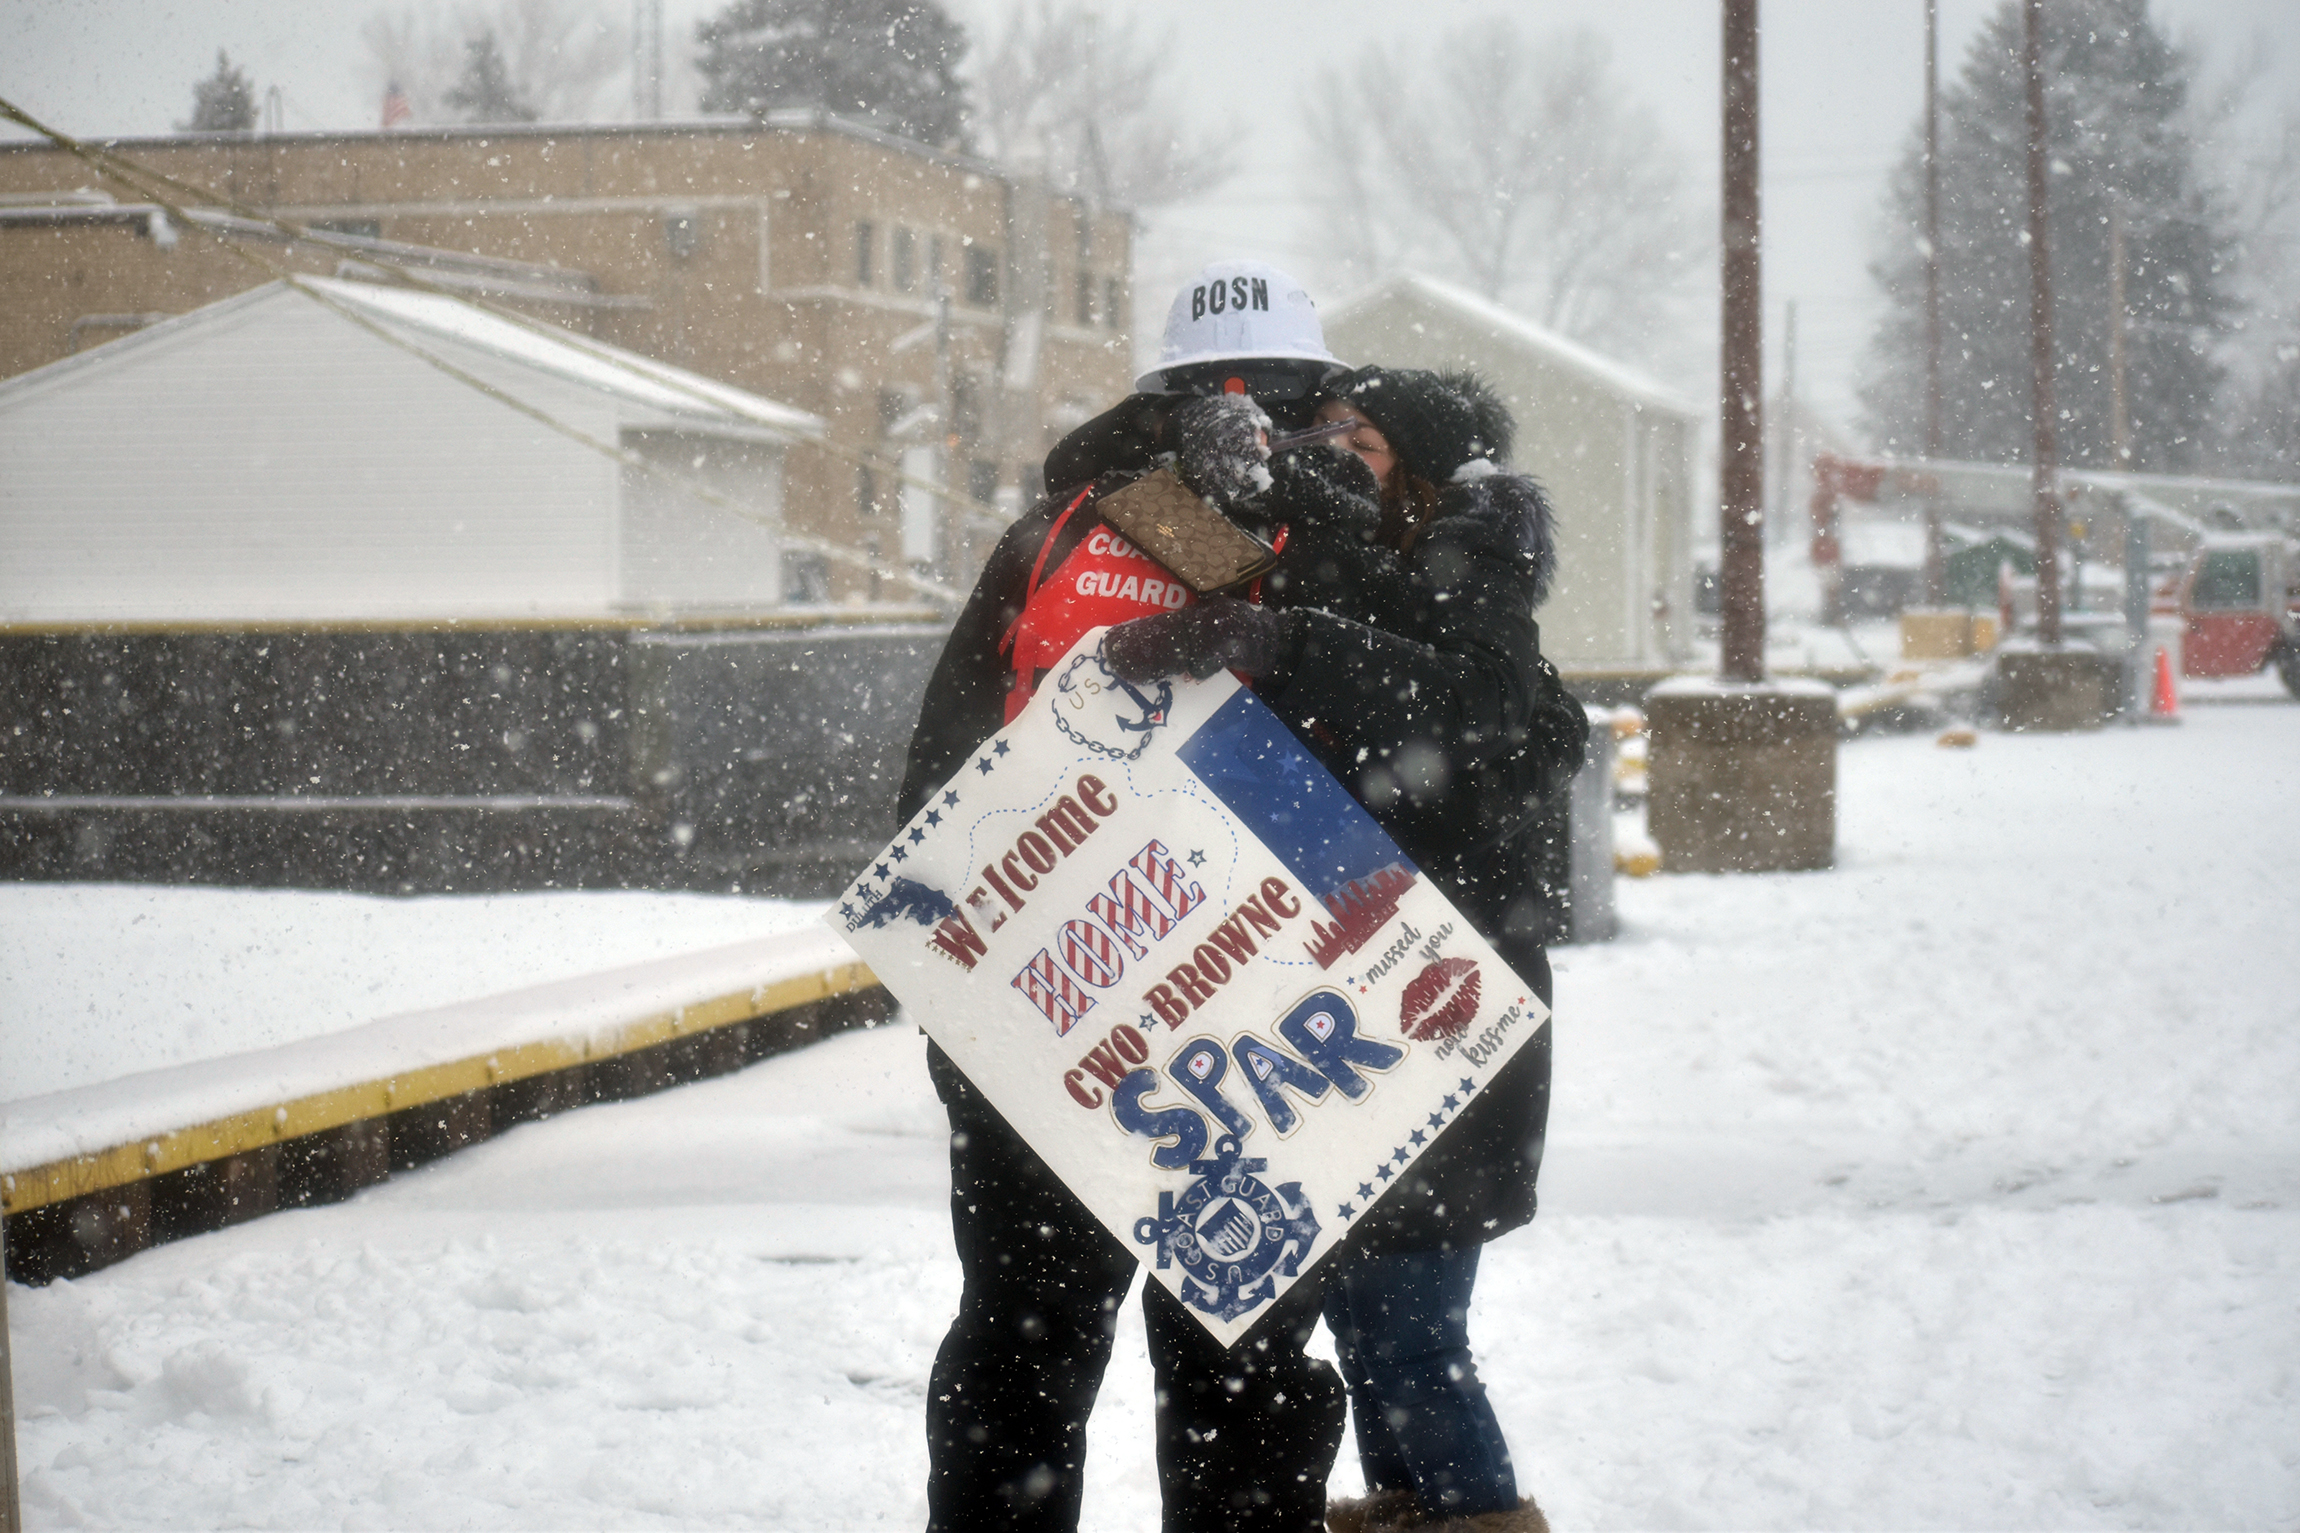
1956	1187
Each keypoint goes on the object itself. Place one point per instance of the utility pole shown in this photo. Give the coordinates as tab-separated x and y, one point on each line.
2045	464
2136	591
1741	436
1783	458
1741	773
2119	419
1936	581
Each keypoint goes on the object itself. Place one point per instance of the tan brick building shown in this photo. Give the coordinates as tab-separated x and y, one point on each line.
946	319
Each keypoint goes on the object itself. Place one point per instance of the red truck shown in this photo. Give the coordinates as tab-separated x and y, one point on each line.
2239	608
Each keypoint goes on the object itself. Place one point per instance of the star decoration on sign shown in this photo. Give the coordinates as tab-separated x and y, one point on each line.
983	766
1468	1086
949	801
1451	1103
1348	1212
934	817
848	911
1197	858
916	835
999	749
1365	1189
1418	1137
897	853
1383	1170
881	871
1399	1154
1437	1120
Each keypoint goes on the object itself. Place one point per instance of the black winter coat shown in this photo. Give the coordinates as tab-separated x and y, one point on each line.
1415	702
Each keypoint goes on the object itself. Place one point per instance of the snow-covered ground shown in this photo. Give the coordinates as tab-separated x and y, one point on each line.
1958	1187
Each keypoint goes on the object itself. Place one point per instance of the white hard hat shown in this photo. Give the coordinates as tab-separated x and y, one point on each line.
1237	311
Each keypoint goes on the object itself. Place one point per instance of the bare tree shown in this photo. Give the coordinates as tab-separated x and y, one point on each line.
557	56
1522	167
1084	97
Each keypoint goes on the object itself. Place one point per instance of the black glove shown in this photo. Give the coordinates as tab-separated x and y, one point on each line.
1221	444
1218	633
1323	488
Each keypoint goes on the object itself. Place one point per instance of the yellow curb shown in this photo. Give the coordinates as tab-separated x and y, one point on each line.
222	1138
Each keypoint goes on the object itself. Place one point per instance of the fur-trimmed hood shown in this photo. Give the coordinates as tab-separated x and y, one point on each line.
1506	509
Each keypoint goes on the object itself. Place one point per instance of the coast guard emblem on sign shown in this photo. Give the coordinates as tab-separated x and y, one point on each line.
1109	717
1230	1231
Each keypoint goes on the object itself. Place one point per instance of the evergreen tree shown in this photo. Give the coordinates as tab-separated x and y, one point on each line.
2116	93
485	93
225	102
893	63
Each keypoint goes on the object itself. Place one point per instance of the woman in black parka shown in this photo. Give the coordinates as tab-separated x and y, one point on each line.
1407	658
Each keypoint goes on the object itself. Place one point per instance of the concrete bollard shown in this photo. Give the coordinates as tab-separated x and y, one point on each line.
1743	778
2050	690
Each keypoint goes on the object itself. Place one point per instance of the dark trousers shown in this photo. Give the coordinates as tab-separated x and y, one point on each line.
1401	1328
1246	1435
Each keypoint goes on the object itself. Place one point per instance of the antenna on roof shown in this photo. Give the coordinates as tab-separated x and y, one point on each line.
646	60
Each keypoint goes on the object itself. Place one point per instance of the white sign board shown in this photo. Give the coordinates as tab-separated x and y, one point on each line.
1191	971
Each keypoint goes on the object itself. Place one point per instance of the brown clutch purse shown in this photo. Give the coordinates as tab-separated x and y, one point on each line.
1170	522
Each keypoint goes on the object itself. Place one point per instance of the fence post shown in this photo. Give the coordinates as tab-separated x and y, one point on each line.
11	1510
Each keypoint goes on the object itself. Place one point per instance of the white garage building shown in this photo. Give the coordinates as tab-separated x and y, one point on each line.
1615	451
276	458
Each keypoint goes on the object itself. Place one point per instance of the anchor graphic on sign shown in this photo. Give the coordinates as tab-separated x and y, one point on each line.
1232	1233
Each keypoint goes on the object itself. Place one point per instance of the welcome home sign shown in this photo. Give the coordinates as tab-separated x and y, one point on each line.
1191	971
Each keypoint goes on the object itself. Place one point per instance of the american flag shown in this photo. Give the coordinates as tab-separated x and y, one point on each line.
394	105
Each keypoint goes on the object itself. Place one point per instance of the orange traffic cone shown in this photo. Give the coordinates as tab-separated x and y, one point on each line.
2165	704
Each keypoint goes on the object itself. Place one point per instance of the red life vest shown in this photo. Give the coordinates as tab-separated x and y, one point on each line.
1104	580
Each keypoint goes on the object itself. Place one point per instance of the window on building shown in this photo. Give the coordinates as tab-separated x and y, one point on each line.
905	261
1085	227
893	405
806	579
1086	299
1111	312
364	228
866	492
865	240
682	231
982	481
934	264
982	276
965	407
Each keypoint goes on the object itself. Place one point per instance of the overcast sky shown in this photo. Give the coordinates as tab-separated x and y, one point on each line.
1842	84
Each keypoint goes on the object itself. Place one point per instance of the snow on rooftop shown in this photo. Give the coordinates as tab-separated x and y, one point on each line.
595	364
1877	544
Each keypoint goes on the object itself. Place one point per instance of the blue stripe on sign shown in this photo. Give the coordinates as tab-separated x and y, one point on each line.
1254	765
